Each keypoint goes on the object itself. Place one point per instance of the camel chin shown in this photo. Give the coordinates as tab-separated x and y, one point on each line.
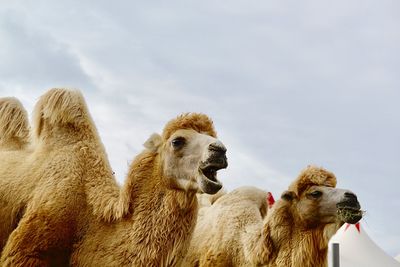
208	181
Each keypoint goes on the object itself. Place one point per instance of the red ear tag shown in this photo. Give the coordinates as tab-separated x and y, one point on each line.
270	200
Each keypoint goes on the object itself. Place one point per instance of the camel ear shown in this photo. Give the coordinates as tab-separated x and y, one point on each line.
154	142
288	195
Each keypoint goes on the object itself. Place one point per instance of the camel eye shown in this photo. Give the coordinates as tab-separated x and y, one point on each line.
178	142
316	194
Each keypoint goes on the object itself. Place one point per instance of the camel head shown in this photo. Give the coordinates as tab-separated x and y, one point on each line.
190	153
316	201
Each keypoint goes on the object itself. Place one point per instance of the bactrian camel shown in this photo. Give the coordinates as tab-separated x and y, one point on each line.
60	188
234	230
162	184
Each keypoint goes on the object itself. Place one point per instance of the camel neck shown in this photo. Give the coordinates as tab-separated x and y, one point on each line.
289	244
166	216
155	232
146	182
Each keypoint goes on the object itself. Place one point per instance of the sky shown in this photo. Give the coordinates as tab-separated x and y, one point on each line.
287	83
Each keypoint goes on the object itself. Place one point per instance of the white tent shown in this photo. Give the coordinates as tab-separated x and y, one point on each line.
398	257
357	249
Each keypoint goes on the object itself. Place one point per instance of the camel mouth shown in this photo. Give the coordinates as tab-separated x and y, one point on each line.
350	214
210	172
210	183
209	169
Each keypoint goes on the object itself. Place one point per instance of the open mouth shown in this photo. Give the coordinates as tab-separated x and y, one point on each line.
350	214
210	172
211	185
209	169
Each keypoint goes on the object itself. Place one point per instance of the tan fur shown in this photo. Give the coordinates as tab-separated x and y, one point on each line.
312	176
45	191
14	125
206	200
195	121
14	136
60	195
163	216
233	232
216	240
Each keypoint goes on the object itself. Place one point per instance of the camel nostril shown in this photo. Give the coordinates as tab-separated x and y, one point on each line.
350	195
218	148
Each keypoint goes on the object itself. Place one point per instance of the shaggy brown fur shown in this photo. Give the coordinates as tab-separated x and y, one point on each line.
310	177
195	121
61	193
158	229
14	125
14	132
285	237
47	189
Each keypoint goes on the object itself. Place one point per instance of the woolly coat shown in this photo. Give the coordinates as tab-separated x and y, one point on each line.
234	231
162	217
45	189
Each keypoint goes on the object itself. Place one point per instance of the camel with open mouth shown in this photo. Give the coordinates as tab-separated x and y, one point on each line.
161	188
56	193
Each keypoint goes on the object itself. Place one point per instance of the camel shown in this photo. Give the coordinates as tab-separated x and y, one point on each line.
54	193
45	188
240	229
162	184
14	124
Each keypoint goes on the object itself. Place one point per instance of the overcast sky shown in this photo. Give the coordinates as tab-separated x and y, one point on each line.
287	83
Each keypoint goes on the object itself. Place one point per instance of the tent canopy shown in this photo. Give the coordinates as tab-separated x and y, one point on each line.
357	249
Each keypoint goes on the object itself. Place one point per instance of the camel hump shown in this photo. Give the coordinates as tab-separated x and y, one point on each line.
58	107
14	123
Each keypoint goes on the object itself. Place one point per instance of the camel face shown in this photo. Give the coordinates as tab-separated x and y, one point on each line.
324	205
192	159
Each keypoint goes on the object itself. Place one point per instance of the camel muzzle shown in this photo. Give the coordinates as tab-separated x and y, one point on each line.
349	209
